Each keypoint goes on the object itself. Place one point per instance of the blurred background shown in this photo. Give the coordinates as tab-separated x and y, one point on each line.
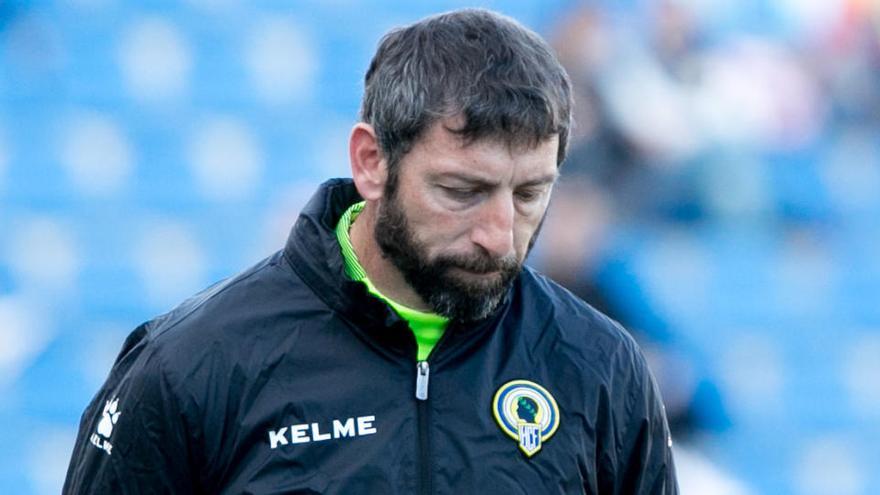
721	200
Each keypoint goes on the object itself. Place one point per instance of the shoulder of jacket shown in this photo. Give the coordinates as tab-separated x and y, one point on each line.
225	310
209	331
577	323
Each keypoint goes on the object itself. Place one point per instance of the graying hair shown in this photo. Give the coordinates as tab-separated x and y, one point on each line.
501	78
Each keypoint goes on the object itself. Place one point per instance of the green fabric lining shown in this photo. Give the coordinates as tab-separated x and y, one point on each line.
427	327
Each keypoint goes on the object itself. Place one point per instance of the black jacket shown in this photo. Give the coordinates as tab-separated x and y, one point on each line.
290	378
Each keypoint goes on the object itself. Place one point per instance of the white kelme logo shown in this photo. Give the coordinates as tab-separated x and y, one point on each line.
318	432
109	417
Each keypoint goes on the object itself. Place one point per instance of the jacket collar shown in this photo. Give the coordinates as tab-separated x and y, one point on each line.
313	252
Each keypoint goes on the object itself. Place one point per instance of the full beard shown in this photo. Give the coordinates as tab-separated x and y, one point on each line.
464	298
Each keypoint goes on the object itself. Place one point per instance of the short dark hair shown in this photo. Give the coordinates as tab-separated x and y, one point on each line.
502	78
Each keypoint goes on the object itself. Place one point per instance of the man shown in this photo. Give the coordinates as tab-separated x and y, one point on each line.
396	344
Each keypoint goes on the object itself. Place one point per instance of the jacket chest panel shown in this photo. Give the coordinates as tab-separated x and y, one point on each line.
325	425
321	431
473	453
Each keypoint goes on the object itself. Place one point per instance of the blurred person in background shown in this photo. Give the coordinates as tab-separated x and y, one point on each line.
696	131
397	344
611	179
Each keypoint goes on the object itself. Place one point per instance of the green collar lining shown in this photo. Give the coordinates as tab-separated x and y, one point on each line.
427	327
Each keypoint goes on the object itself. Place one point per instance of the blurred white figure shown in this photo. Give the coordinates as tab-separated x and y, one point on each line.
47	458
829	465
23	335
226	159
861	374
156	60
754	390
698	476
170	262
96	154
44	255
282	60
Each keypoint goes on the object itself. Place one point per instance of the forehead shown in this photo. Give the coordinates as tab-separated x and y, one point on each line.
441	149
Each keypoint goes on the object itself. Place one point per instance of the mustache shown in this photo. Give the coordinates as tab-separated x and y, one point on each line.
478	263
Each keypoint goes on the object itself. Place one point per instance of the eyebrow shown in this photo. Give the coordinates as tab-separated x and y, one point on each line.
481	182
540	181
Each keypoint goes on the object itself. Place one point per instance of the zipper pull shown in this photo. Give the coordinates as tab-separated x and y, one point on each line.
422	374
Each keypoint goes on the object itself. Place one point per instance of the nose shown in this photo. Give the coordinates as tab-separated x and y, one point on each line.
494	228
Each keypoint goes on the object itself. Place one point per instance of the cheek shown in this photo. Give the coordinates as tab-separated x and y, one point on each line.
433	222
438	229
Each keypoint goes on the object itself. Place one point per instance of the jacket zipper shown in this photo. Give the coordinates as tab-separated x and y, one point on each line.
423	374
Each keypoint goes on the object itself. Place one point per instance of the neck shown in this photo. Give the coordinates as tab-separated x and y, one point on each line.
381	272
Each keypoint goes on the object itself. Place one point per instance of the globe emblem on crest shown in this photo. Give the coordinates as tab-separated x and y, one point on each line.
526	412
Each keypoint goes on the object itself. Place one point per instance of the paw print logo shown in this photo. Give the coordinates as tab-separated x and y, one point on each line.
109	418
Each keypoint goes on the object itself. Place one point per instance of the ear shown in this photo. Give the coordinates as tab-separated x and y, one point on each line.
369	168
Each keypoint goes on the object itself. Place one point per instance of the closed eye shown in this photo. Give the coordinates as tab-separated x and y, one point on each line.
529	195
461	193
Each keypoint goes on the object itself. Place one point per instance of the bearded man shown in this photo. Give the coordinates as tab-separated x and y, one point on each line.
397	344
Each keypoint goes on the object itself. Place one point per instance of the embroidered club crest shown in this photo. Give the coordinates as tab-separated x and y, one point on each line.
526	412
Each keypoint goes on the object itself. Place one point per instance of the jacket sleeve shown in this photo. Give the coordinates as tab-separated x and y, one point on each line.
638	461
132	437
647	447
